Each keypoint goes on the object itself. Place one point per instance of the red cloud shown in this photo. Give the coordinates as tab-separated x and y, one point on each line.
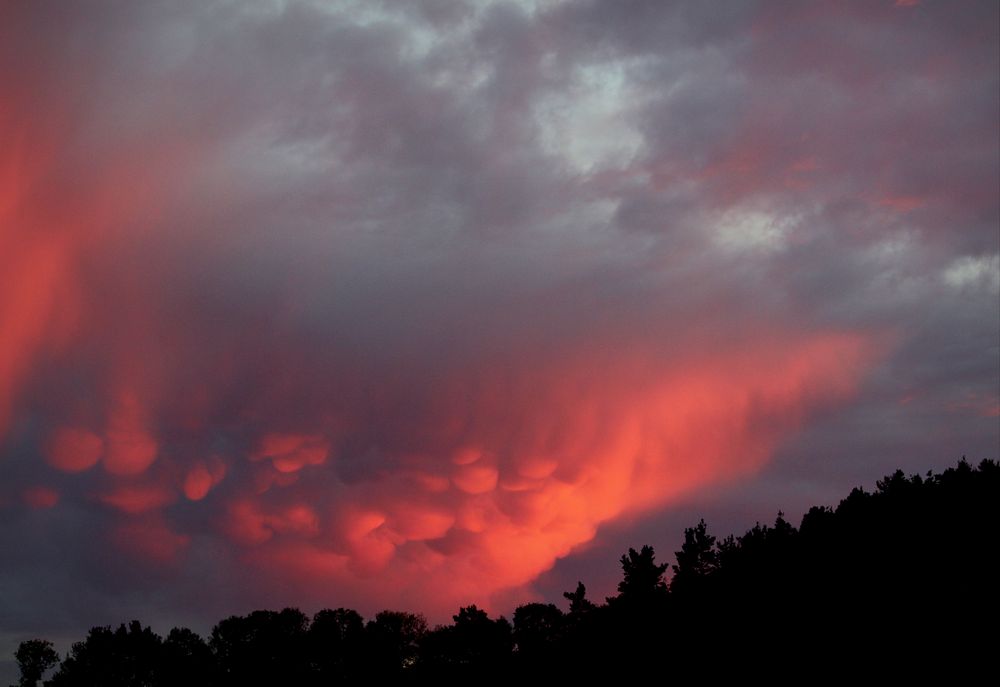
131	449
138	499
292	452
249	522
71	449
202	476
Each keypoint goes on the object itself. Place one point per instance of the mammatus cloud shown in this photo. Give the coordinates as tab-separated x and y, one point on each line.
529	467
395	305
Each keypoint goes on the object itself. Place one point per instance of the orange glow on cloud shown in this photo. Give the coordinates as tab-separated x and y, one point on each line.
514	461
71	449
533	491
508	296
292	452
32	273
476	479
197	482
131	450
518	473
201	477
45	228
362	408
250	523
34	254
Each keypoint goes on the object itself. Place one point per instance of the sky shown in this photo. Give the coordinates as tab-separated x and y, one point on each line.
421	304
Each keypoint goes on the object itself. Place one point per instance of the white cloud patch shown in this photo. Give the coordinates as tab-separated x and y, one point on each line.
590	124
974	272
742	230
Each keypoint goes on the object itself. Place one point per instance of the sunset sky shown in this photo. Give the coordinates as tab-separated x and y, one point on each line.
426	303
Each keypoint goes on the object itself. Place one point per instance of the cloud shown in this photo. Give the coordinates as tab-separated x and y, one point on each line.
138	499
202	476
71	449
40	497
415	303
968	271
131	449
291	452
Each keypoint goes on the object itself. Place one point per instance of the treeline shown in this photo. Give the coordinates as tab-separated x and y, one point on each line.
901	580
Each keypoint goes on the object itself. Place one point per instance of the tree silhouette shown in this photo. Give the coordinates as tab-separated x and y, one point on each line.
34	657
696	560
393	639
480	640
336	645
265	647
642	578
187	660
128	657
474	648
537	628
540	635
579	604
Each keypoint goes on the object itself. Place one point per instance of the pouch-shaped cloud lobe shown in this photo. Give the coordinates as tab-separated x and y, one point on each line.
407	304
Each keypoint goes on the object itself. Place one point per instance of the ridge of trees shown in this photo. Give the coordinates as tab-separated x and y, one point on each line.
905	574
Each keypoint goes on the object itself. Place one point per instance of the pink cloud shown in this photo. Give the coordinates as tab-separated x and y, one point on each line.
202	476
72	449
638	438
131	449
292	452
135	499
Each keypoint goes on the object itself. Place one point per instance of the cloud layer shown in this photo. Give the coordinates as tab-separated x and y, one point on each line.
396	304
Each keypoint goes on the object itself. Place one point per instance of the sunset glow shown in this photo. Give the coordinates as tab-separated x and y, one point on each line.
410	305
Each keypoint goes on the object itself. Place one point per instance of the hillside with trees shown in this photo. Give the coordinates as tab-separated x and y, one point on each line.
898	581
